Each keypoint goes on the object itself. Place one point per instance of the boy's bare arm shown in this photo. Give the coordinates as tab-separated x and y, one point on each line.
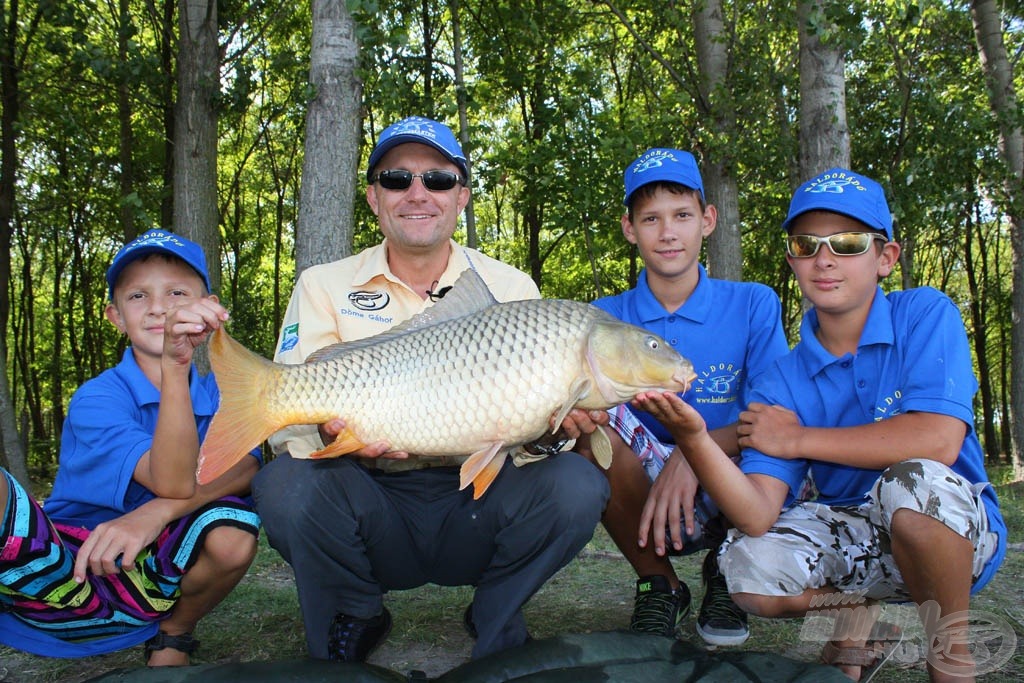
751	502
114	545
168	468
777	431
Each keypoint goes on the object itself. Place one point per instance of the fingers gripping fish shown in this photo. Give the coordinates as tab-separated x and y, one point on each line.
467	377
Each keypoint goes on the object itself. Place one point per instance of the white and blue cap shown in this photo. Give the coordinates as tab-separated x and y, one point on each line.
844	192
424	131
158	242
662	165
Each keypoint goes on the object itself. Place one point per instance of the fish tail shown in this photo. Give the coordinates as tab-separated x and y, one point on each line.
242	421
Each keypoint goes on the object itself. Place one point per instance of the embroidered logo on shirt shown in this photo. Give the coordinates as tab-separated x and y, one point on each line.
718	384
289	338
369	301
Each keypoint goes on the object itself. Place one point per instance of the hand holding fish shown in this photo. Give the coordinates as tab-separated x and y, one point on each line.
378	449
773	430
188	326
579	422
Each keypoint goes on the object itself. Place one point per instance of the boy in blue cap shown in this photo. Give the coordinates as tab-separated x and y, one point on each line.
127	549
875	406
731	331
354	528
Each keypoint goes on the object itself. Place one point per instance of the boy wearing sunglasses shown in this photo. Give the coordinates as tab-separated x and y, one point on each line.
730	331
875	406
355	527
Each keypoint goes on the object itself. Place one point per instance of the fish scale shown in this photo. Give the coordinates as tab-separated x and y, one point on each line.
469	377
415	375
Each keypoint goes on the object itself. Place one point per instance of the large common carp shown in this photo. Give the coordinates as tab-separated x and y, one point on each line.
468	376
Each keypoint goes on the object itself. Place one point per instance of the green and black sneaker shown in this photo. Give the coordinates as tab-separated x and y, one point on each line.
659	609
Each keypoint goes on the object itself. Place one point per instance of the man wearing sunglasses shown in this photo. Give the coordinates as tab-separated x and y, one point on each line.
356	527
875	406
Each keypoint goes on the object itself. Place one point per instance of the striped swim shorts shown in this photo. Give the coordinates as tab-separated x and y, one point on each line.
37	560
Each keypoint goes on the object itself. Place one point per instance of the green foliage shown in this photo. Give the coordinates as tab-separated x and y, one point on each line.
560	95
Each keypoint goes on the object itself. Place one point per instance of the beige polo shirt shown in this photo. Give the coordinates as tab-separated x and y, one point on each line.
359	297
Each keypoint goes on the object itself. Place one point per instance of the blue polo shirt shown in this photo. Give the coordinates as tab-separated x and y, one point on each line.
109	425
913	355
730	331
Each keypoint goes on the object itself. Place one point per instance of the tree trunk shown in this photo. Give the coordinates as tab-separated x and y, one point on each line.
330	165
724	255
460	96
13	456
1003	99
824	137
195	131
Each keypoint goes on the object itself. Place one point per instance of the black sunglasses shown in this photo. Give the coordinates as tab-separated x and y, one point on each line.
435	181
840	244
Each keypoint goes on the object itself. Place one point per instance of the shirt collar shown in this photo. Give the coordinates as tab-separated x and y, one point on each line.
877	330
144	393
696	308
375	265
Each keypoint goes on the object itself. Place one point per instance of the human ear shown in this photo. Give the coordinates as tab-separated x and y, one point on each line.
627	229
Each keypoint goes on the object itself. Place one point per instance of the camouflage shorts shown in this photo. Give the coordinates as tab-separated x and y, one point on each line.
813	545
708	525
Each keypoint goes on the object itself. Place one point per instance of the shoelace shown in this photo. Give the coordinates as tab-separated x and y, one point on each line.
655	611
721	605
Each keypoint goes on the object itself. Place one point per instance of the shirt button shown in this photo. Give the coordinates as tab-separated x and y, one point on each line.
846	363
672	342
671	318
861	384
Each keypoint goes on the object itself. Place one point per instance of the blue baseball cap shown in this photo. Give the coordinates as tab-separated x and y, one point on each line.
664	165
424	131
842	191
158	242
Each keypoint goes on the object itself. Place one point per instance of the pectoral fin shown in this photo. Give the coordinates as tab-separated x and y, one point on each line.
579	389
345	442
481	468
601	448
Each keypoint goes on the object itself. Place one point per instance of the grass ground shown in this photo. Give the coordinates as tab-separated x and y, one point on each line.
260	620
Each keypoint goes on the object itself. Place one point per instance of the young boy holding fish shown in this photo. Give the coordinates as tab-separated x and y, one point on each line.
127	549
875	405
730	331
355	527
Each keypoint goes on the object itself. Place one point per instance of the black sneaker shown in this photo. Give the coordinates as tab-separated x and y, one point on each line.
351	639
720	621
659	609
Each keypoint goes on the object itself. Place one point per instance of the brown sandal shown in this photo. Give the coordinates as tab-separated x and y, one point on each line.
871	656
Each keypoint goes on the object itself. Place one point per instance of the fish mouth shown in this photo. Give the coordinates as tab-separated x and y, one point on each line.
685	378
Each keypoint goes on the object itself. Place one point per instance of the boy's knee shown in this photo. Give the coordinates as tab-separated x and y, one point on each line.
230	549
758	605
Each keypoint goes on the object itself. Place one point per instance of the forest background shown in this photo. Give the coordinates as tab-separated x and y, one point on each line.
245	124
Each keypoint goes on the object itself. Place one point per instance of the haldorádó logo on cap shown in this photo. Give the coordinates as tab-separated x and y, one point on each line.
662	165
844	192
424	131
158	241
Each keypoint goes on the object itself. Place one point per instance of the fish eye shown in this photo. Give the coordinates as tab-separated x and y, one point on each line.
653	344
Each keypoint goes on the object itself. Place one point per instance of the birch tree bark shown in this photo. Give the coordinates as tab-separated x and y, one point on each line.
331	158
824	136
195	131
999	76
724	254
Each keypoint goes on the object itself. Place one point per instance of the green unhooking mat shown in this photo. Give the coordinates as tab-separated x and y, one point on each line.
615	656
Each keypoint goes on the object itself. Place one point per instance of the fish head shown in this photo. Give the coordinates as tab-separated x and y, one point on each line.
626	360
